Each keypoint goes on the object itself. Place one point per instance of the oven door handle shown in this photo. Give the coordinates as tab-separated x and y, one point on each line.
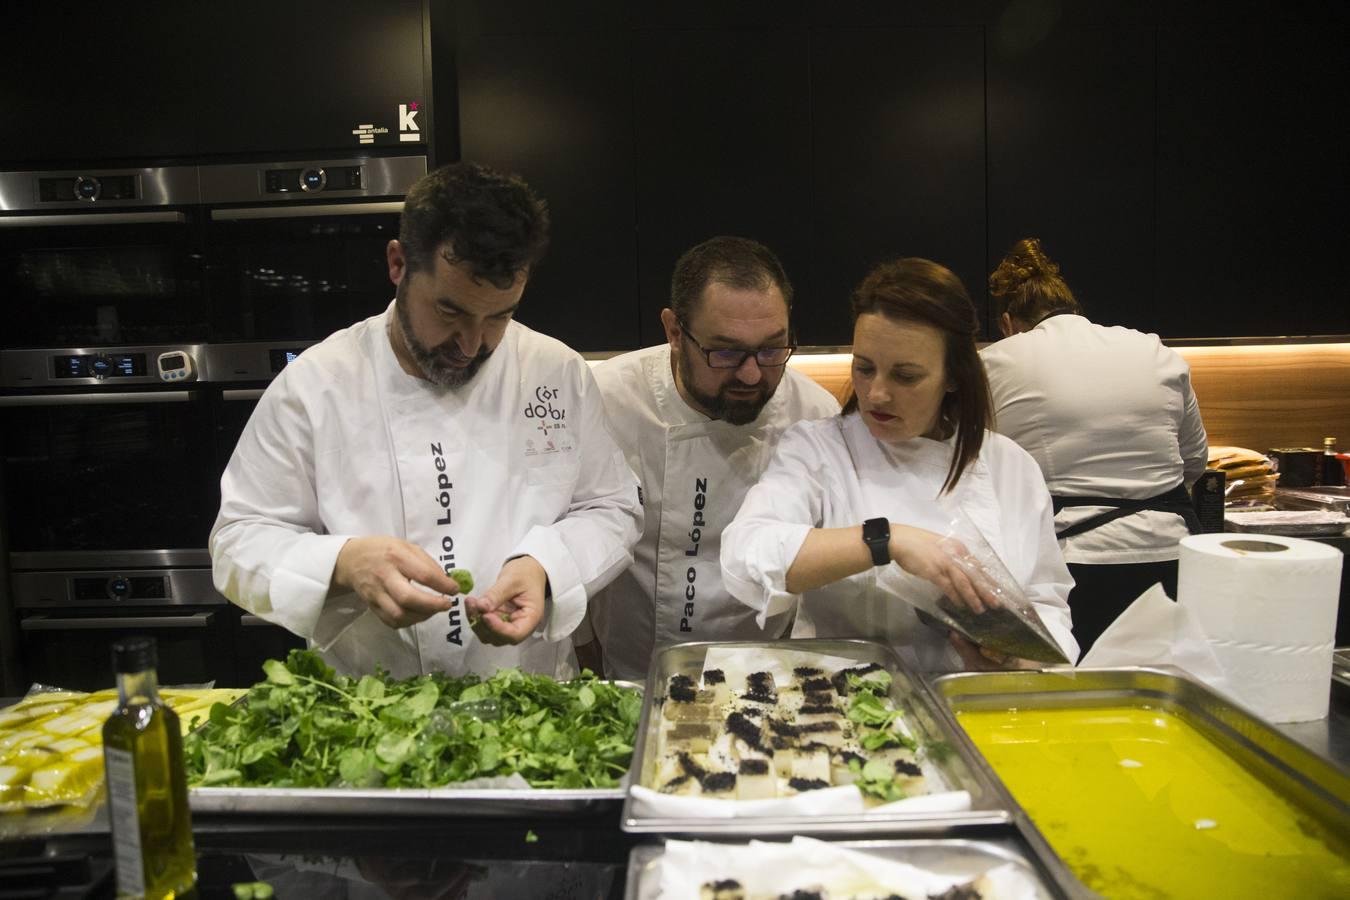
109	623
96	399
302	212
122	218
242	394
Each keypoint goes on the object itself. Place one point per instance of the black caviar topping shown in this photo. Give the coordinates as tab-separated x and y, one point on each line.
744	729
807	671
714	676
725	884
682	689
849	756
754	767
818	698
760	696
818	728
785	729
958	892
814	746
781	743
690	767
817	709
815	684
759	681
907	768
717	782
802	895
807	784
675	782
840	678
752	712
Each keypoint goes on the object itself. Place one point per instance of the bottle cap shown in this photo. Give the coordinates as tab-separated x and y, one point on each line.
136	654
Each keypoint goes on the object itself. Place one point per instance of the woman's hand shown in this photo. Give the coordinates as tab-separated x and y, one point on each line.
982	659
946	563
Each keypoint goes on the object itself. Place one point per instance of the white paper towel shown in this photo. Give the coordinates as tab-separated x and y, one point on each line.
1267	605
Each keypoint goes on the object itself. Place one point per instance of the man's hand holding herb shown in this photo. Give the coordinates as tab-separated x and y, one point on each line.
400	583
510	610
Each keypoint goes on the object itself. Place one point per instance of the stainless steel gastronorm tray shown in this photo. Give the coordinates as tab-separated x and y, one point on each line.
961	767
970	857
1304	778
1340	665
439	801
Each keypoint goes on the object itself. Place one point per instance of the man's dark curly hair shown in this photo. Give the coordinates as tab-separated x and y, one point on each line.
491	222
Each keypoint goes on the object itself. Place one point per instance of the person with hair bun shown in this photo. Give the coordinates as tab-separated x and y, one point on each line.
845	522
1109	415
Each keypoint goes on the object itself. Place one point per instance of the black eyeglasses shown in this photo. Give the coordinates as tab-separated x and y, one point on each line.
765	357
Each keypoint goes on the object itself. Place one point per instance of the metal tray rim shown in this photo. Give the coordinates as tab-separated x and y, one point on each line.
641	857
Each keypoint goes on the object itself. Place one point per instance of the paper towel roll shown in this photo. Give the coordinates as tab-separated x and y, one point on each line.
1267	604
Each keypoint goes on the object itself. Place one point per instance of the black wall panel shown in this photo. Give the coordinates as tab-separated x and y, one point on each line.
557	110
1071	134
103	82
302	75
722	143
897	140
1253	232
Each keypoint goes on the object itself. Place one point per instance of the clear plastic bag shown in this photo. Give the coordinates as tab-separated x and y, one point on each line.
1010	624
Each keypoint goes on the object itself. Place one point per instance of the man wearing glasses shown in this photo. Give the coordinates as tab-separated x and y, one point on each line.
698	418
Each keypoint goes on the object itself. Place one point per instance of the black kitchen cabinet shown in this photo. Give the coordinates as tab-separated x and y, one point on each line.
722	137
140	82
897	139
1253	165
1071	161
114	81
298	76
556	110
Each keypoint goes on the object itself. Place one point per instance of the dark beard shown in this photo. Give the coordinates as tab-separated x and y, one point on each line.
435	361
719	406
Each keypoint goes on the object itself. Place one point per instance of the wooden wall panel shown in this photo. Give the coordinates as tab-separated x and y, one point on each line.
1257	397
1273	396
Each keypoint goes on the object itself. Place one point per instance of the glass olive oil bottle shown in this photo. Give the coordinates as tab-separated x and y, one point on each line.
147	793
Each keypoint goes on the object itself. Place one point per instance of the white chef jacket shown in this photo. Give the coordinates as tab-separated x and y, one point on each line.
1105	412
694	473
833	473
344	443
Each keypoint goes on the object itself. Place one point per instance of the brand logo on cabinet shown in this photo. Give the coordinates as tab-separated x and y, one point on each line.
408	130
365	134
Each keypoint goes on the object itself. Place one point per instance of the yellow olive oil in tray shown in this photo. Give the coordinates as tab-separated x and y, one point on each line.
1140	804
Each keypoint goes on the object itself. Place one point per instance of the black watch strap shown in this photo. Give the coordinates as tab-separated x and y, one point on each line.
876	534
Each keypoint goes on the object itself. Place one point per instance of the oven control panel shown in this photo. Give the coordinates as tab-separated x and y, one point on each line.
99	365
312	179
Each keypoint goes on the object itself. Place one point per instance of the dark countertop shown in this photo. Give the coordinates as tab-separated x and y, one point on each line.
419	858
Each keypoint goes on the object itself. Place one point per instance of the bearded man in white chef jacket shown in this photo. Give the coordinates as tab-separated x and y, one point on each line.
698	418
440	434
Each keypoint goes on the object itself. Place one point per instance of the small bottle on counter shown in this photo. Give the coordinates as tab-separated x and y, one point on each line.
147	790
1333	473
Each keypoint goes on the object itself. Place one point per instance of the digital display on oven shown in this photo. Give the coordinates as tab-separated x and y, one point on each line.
283	357
112	365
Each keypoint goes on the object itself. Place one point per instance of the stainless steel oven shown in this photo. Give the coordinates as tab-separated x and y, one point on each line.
110	464
297	250
146	310
74	606
101	257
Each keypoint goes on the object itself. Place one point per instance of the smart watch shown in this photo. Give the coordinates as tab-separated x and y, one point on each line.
876	535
